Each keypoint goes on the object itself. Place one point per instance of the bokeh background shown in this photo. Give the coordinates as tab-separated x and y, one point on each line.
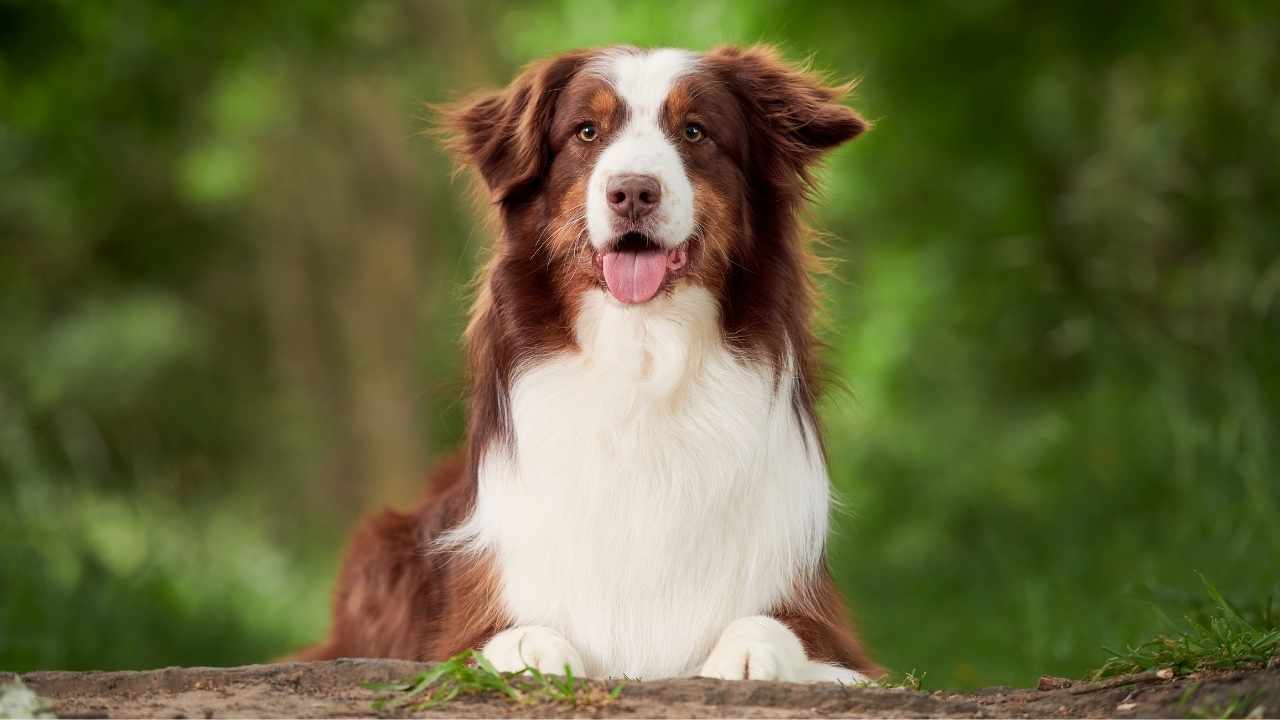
233	279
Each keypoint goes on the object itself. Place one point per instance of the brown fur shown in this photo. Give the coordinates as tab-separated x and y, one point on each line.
396	598
817	615
767	124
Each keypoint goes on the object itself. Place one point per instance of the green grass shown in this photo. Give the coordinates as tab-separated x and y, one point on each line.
910	680
469	673
1221	638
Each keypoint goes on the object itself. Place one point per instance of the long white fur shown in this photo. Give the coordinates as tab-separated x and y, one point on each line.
642	80
659	489
660	494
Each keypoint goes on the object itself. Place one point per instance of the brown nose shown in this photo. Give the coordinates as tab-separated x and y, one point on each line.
634	196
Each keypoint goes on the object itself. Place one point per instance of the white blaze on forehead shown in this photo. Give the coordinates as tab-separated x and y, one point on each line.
643	78
642	81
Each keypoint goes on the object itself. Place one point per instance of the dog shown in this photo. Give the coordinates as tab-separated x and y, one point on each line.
643	490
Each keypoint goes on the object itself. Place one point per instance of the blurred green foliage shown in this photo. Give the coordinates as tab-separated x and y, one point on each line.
233	280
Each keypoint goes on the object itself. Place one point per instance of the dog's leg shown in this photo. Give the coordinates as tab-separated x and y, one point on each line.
761	648
533	646
816	614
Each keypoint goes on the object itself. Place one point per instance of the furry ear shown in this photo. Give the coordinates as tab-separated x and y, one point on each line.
799	113
503	135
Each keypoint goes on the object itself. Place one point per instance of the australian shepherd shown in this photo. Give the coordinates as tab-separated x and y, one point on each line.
643	490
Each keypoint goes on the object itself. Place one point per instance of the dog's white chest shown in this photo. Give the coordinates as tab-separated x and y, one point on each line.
659	489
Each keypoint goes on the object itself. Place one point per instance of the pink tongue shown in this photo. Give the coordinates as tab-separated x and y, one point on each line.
635	277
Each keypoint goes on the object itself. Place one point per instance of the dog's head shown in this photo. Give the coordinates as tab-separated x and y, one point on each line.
636	170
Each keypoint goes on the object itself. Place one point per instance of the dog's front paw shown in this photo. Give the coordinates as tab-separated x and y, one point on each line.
822	672
756	648
532	646
761	648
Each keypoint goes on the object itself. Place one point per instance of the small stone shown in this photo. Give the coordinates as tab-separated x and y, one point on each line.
1049	682
1165	673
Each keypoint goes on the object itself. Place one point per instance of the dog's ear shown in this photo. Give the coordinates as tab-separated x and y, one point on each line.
798	113
504	135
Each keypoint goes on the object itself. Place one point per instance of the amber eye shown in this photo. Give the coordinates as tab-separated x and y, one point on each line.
693	132
587	132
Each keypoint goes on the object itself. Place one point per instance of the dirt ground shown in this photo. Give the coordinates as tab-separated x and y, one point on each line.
334	689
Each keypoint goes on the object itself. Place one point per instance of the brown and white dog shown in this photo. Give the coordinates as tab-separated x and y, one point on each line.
644	491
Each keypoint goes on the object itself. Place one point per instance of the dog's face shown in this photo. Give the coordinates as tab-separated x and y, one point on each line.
636	170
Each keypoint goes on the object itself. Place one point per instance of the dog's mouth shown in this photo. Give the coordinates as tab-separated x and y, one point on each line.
635	267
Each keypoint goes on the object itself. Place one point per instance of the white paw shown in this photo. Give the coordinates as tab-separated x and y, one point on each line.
533	646
823	672
761	648
745	661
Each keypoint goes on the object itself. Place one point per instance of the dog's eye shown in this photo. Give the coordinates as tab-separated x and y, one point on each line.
693	132
587	132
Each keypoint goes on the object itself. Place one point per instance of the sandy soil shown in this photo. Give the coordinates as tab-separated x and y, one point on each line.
333	689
